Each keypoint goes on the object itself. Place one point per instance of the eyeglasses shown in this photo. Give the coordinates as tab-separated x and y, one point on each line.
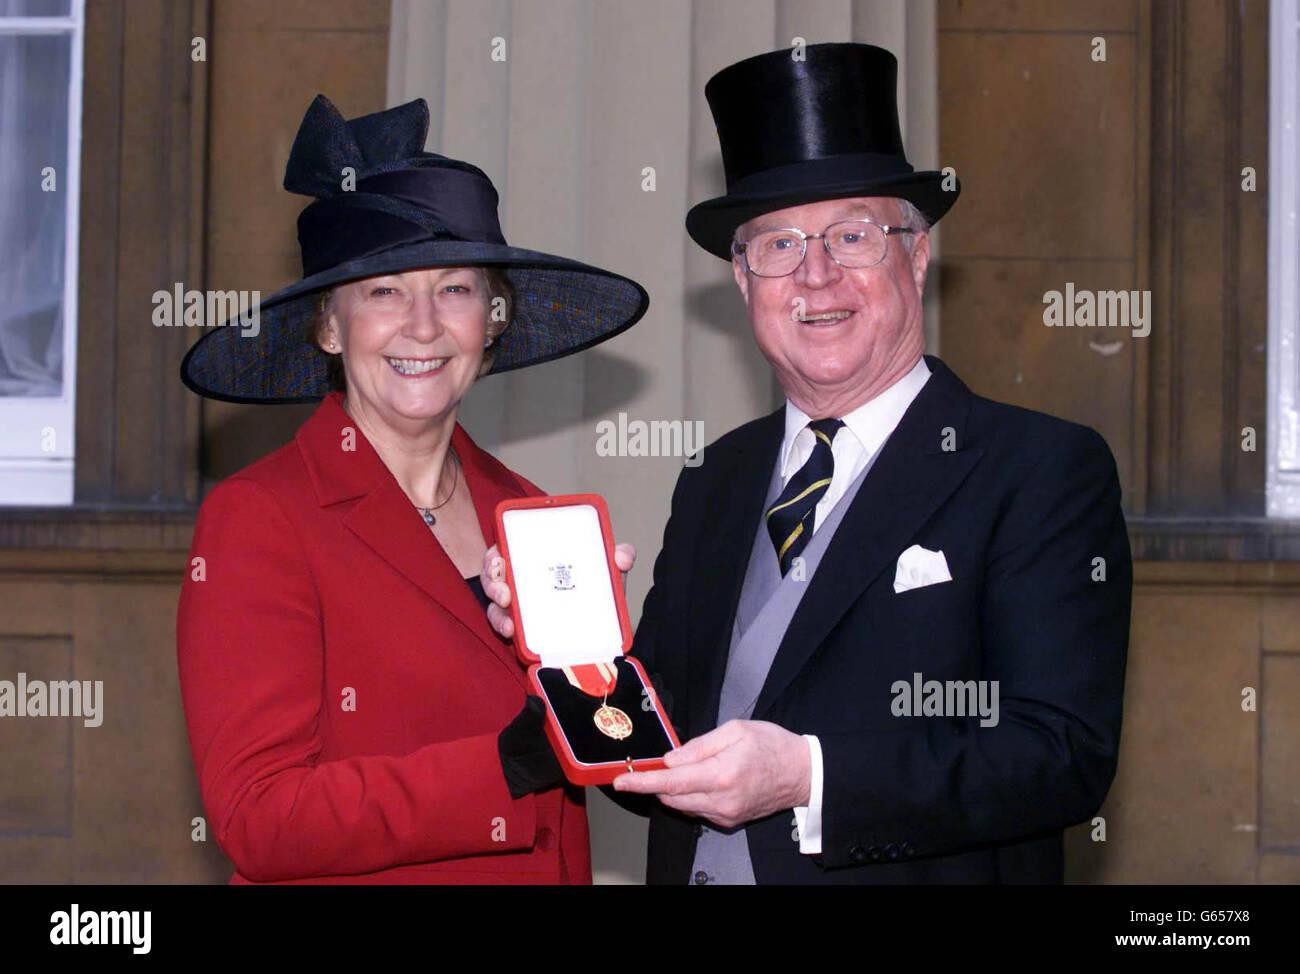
850	243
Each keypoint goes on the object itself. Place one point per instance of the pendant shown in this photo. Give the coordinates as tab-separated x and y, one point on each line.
612	722
427	514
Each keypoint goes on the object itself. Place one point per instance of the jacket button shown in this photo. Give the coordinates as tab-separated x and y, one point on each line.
858	854
545	839
874	853
701	877
891	851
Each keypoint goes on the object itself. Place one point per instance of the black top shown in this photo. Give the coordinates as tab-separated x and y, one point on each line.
476	587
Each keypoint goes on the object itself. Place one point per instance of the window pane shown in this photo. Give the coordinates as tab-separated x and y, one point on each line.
35	8
33	221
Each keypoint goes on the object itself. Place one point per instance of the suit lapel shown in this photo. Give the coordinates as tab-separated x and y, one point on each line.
736	501
389	524
911	478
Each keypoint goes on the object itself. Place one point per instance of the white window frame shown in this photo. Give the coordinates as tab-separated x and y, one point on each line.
1283	487
30	475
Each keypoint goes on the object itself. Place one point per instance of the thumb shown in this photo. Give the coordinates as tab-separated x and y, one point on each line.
624	556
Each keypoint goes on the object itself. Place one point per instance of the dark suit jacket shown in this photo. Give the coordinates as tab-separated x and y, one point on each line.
1021	508
321	586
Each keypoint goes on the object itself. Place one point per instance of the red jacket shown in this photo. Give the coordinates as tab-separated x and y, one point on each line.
342	687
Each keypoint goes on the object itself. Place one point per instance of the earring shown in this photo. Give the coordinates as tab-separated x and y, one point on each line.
487	341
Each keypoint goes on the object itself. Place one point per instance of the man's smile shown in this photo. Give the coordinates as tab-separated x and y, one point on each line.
821	318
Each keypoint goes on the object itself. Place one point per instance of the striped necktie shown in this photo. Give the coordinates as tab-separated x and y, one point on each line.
790	519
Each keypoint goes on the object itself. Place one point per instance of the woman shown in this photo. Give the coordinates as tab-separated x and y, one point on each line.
352	715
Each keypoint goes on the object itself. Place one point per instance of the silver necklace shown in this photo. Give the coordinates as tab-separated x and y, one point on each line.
427	512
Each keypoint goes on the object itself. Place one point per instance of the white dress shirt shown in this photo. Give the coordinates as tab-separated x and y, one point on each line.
854	447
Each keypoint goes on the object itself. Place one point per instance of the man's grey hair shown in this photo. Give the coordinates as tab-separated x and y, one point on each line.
914	220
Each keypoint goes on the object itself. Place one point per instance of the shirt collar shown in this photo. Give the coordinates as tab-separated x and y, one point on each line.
871	423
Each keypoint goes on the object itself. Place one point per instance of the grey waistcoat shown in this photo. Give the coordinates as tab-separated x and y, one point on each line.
767	604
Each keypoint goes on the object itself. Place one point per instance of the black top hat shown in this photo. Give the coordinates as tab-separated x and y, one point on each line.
800	131
384	205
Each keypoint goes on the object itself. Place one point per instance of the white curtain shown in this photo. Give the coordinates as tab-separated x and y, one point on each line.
33	136
590	97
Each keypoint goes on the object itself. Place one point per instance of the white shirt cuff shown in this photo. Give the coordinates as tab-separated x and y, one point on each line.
809	817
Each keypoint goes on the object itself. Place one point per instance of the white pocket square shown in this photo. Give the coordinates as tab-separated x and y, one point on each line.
919	566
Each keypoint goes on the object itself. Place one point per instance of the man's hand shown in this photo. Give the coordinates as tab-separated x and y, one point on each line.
495	586
744	770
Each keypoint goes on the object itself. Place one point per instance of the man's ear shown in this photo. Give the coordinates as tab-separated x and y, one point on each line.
920	260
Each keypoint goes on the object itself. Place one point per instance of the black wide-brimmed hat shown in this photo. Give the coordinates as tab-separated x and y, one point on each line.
800	130
384	205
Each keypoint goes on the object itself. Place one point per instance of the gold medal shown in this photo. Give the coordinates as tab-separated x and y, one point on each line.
612	722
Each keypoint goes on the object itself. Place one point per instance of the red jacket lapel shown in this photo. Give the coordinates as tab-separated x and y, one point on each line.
344	466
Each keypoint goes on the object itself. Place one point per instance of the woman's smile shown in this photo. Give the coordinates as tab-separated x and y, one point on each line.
416	368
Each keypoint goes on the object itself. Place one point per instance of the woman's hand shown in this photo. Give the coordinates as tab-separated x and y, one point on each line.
495	586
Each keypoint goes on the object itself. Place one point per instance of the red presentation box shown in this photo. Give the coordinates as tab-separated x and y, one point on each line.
603	717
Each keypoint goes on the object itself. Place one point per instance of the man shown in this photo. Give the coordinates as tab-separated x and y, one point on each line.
891	617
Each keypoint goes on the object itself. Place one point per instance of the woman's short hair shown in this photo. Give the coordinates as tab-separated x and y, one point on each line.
496	283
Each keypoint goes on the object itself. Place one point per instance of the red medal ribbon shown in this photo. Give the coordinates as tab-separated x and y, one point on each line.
593	679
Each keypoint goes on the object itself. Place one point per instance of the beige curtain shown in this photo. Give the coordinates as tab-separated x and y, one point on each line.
593	100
